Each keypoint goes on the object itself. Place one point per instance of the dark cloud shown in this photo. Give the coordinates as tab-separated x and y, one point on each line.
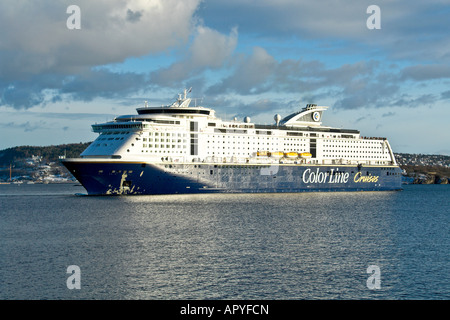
25	126
134	16
426	72
361	119
445	95
22	95
388	114
87	86
103	84
368	92
407	100
356	85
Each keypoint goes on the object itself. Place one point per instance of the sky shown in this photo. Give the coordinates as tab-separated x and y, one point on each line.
383	71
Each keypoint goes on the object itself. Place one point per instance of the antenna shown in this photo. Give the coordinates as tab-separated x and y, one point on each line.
186	91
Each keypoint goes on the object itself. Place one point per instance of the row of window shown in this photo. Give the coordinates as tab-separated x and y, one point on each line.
115	133
355	156
355	141
159	151
163	140
109	139
168	146
353	151
166	134
362	147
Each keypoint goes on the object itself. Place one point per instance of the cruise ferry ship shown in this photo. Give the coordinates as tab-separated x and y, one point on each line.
181	148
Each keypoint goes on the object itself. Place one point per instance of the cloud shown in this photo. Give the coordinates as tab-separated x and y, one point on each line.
445	95
388	114
252	74
72	116
41	60
103	83
354	85
404	34
228	107
38	40
85	86
26	126
134	16
363	118
426	72
208	50
412	102
295	17
23	95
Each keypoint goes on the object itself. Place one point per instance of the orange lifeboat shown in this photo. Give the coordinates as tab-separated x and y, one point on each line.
277	154
291	155
261	153
305	155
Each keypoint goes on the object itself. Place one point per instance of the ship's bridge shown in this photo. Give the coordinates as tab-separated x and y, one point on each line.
310	116
176	111
179	107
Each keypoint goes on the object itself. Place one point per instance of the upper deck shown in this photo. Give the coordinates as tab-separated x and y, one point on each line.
193	133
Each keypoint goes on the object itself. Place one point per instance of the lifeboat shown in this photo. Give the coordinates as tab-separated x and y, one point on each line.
277	154
261	153
291	155
305	155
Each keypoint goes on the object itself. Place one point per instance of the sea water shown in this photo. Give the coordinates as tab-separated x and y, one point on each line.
57	244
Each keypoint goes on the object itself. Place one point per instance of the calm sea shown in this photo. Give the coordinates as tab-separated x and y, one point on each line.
224	246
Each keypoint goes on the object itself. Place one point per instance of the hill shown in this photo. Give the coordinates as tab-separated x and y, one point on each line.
47	154
40	164
424	168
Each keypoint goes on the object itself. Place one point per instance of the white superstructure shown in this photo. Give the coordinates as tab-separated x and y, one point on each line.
184	134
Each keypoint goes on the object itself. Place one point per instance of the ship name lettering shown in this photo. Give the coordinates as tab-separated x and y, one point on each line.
360	178
334	176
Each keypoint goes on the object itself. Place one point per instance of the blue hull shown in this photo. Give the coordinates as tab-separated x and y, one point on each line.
118	177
